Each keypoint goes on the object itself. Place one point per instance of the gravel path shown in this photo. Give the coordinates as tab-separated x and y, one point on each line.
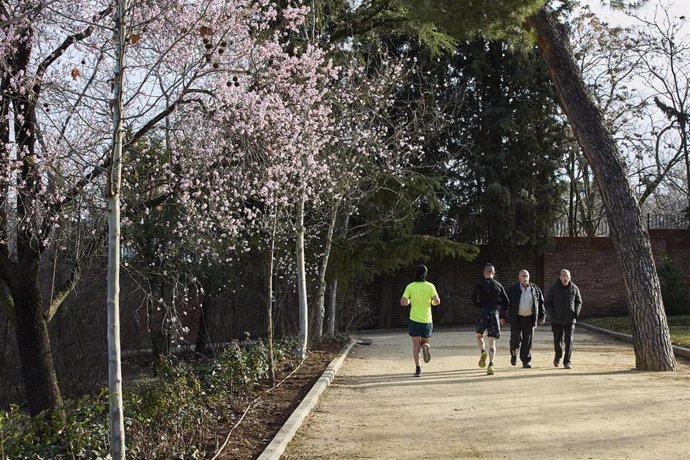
600	409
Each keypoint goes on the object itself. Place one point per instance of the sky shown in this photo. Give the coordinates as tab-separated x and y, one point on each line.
678	8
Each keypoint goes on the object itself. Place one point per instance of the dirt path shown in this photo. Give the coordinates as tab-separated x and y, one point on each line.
600	409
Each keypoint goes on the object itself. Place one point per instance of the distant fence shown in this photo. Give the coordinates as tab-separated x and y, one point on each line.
670	221
601	228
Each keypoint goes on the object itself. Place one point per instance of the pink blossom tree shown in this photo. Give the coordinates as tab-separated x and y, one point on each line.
198	75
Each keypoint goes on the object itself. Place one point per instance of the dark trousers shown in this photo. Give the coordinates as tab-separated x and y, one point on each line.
521	332
563	333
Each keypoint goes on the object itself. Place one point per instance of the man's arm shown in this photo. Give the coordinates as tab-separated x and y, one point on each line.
503	308
548	302
578	302
404	301
435	299
503	299
541	311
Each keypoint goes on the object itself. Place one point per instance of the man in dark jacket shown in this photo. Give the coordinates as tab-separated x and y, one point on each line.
525	311
563	303
487	296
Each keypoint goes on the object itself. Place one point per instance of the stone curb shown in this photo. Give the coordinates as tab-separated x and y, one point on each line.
279	443
679	351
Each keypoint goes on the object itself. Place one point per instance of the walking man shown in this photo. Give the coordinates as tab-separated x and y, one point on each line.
487	295
525	311
563	303
421	294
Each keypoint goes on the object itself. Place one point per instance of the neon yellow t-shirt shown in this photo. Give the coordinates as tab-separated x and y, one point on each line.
420	293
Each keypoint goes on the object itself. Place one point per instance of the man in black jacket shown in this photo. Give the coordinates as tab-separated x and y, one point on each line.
487	296
525	311
563	302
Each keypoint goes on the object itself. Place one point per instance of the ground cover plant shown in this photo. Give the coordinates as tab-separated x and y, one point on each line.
679	326
188	409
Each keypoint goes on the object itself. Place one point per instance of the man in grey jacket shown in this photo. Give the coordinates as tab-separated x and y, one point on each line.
563	304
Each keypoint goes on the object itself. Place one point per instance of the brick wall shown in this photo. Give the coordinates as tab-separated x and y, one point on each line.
454	280
594	267
592	262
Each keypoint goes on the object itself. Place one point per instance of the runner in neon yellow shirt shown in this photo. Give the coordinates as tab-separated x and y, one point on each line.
421	294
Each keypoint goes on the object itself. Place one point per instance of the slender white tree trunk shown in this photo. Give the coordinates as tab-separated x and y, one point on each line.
117	428
321	289
269	302
301	284
332	297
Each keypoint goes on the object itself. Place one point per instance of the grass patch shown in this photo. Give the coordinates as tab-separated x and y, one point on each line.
679	326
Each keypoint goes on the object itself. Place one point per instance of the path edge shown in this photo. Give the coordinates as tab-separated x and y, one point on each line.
678	351
277	446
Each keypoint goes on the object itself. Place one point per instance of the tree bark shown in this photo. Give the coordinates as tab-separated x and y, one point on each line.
33	340
321	289
651	337
22	277
269	302
203	340
333	289
20	271
303	332
157	317
332	301
117	427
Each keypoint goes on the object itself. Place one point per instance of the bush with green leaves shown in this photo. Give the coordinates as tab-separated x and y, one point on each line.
170	410
83	434
167	416
674	289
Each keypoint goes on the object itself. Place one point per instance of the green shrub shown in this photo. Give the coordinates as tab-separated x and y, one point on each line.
168	416
84	434
674	289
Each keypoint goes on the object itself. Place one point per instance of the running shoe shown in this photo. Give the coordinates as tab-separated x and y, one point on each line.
482	359
426	351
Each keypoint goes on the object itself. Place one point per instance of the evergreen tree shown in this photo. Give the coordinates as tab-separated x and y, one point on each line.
504	148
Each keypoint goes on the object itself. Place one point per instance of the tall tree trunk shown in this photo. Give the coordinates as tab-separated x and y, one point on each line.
30	311
303	333
321	289
269	302
203	340
651	338
117	427
157	318
572	207
18	110
683	122
333	289
33	341
332	301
